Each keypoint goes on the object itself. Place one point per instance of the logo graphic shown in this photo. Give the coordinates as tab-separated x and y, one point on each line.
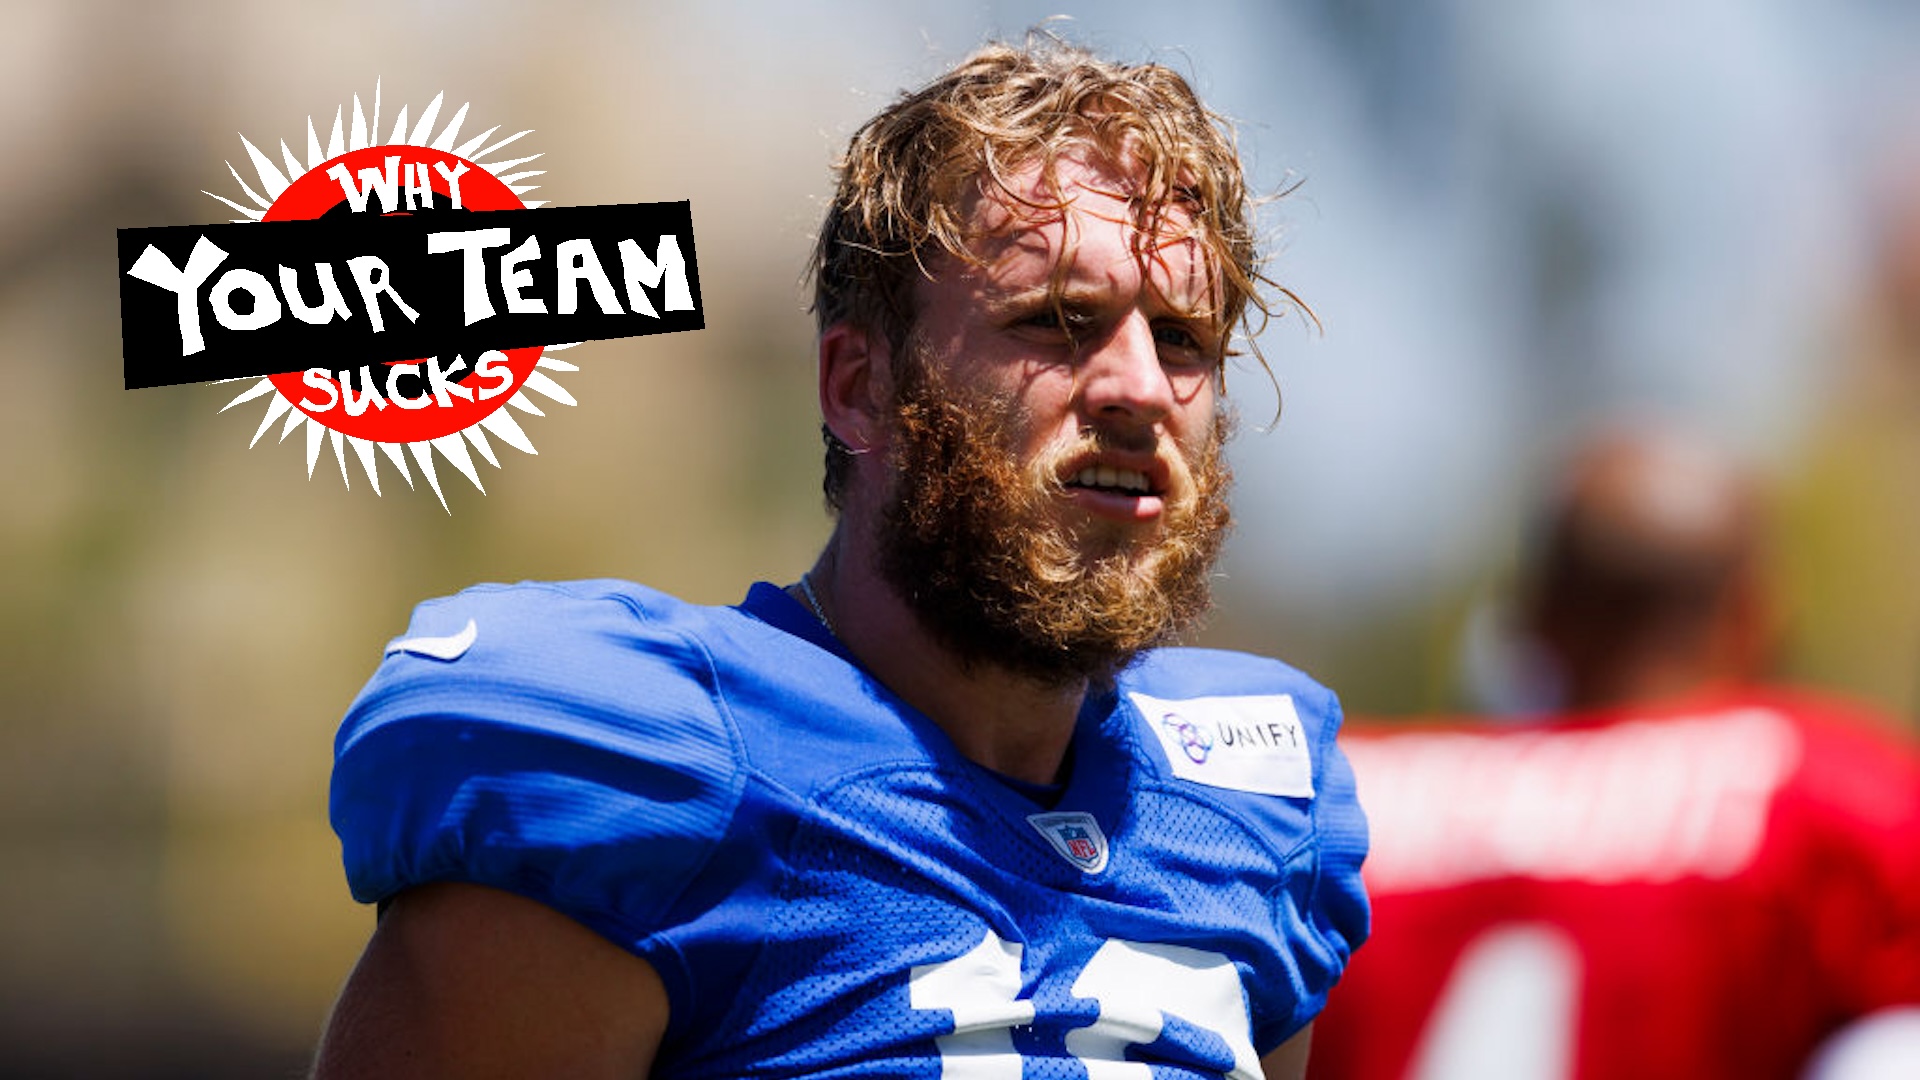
1195	740
450	647
1252	742
1076	836
421	316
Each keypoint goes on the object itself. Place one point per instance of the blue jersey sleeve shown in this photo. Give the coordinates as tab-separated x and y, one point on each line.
566	743
1336	909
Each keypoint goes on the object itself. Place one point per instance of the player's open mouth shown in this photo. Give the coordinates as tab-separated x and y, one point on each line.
1107	478
1117	491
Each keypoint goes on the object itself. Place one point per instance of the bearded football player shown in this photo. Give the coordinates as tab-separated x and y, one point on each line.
950	804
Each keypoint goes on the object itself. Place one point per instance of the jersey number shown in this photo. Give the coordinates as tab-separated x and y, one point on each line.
1138	987
1508	1011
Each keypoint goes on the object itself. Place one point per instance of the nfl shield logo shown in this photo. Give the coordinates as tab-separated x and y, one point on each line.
1076	836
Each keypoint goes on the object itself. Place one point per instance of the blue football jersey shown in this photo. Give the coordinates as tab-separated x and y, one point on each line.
826	886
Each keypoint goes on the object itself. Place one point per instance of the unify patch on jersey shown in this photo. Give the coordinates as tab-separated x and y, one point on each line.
1076	836
1251	743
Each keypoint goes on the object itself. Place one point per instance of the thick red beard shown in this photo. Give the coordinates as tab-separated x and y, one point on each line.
969	539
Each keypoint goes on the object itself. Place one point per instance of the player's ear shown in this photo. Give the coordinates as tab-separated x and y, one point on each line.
856	384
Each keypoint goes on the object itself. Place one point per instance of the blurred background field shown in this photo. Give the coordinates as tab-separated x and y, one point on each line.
1513	221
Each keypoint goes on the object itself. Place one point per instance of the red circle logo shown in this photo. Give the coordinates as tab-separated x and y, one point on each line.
402	401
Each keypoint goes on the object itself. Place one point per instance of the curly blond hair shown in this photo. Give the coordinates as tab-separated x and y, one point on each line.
908	178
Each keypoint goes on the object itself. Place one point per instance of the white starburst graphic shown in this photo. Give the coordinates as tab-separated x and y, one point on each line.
363	133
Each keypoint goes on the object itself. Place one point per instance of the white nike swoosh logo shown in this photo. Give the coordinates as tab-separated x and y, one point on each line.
451	647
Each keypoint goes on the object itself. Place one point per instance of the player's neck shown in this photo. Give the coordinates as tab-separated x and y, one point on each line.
1650	679
1005	722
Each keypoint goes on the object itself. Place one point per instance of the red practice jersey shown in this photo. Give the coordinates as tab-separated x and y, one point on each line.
1700	891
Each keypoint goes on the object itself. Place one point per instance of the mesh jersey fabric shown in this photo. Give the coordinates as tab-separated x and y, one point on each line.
1705	890
825	885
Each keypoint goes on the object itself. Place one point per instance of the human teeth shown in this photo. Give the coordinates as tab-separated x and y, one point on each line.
1108	477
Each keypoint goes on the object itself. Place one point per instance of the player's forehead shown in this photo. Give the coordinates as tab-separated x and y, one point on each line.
1078	221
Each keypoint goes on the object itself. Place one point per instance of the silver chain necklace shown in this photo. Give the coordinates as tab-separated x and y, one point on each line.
813	601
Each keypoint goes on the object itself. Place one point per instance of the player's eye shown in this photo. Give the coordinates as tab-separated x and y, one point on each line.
1059	320
1181	344
1175	335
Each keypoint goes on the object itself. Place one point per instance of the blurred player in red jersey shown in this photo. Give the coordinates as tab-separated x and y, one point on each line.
1686	873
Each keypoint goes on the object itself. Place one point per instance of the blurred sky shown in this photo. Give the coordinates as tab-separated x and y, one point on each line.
1510	220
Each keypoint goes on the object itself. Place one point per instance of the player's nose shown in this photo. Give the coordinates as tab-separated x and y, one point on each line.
1121	377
